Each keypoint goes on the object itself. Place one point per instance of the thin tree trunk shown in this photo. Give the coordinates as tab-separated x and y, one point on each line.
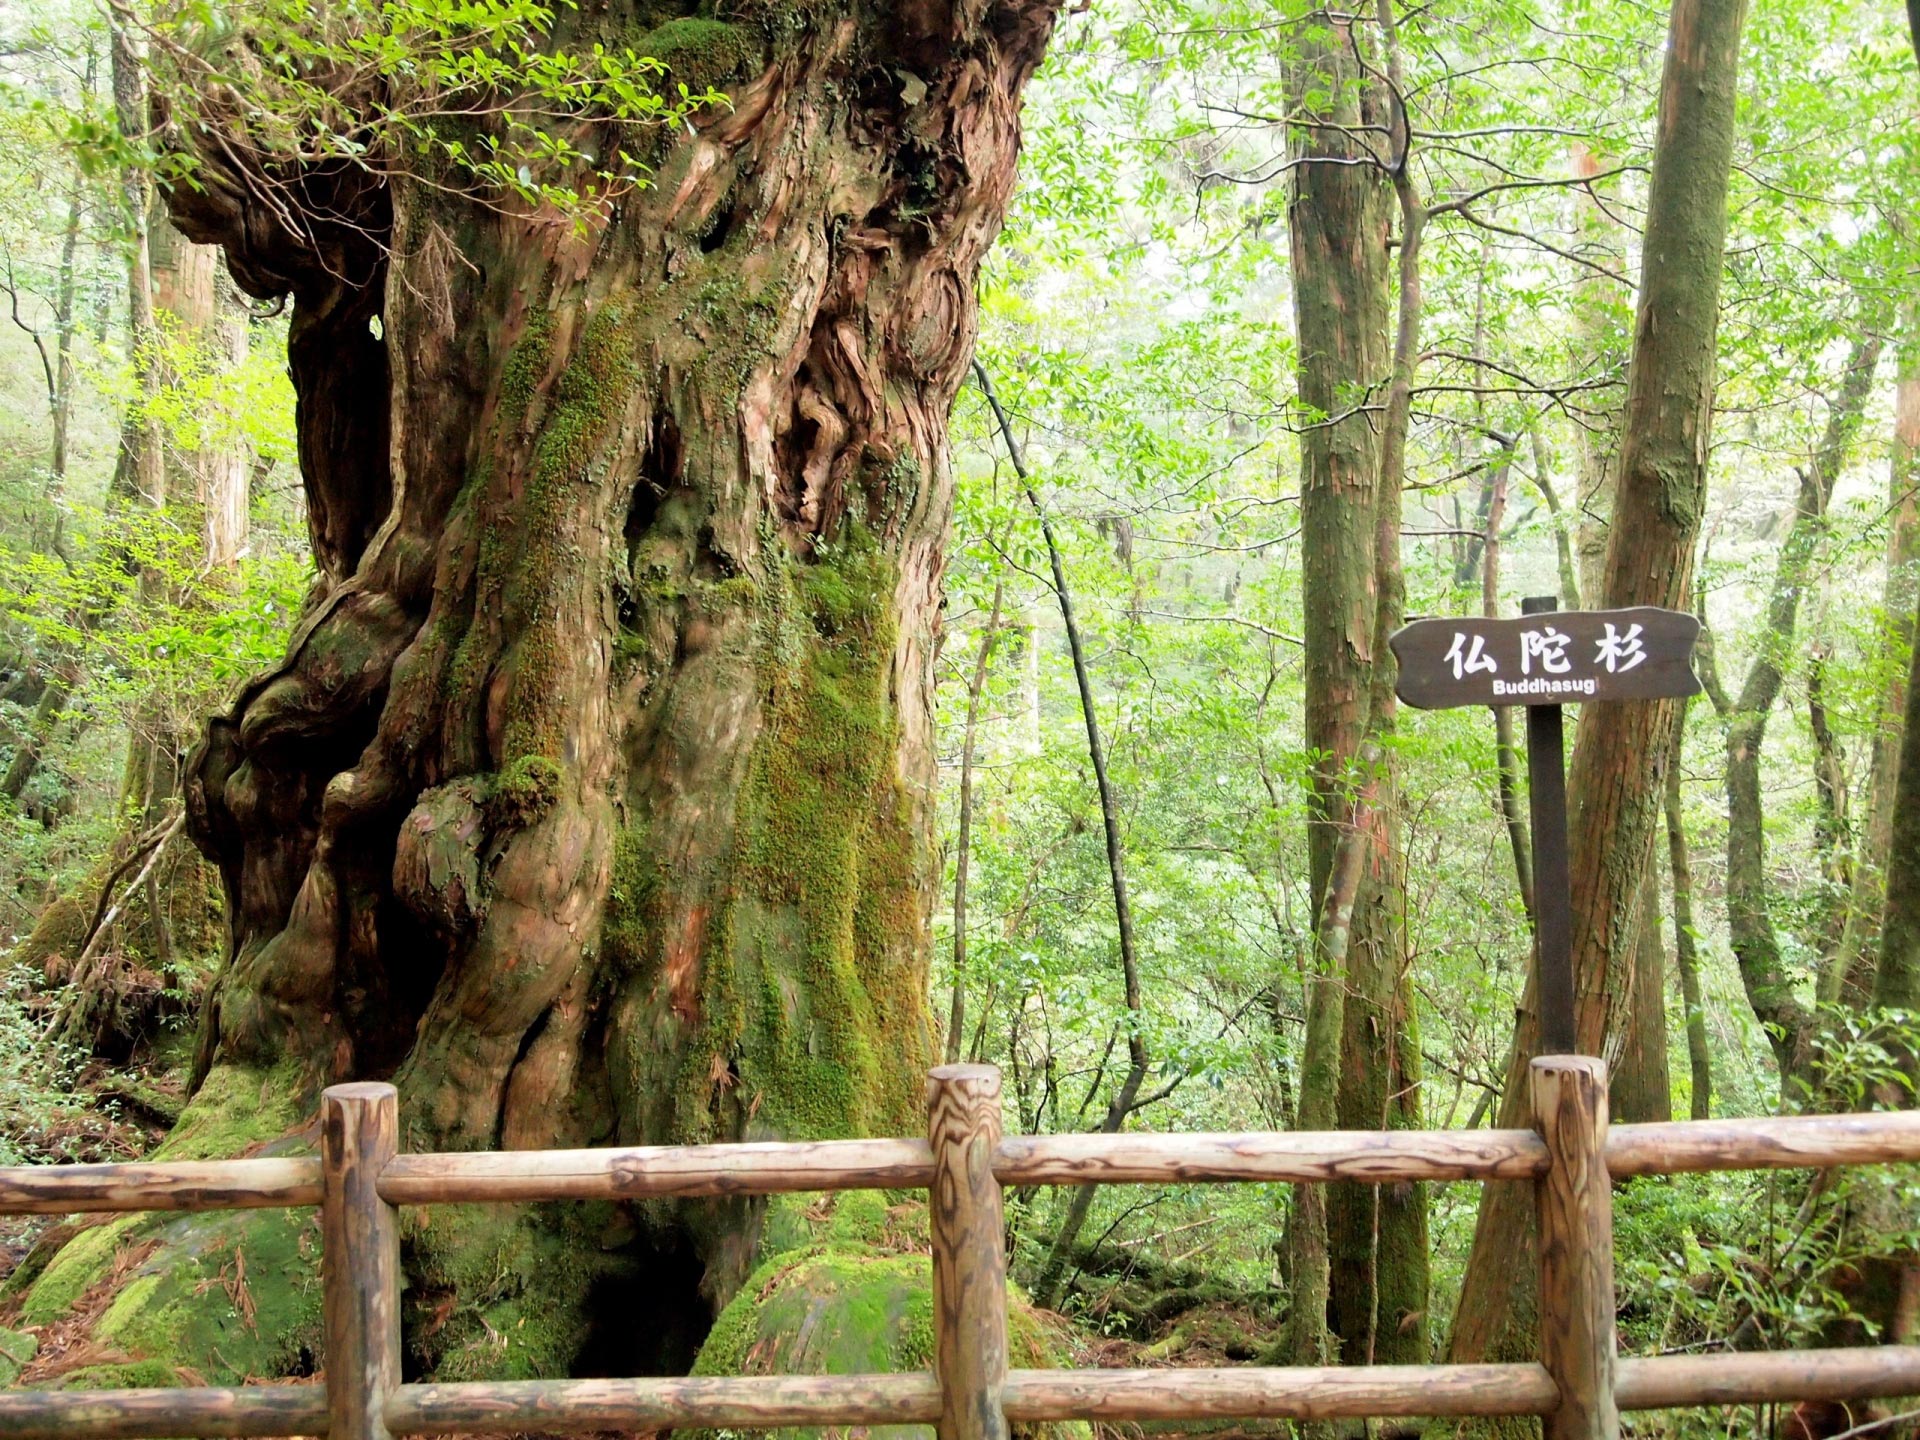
1600	321
1306	1338
1562	540
1641	1088
1619	758
1771	988
1833	827
1125	1098
957	1004
1896	980
1685	952
141	473
1850	974
1506	759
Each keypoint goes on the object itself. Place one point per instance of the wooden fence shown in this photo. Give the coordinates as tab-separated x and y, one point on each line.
1578	1387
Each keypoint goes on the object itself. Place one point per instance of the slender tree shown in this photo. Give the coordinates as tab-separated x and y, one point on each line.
1771	988
1619	760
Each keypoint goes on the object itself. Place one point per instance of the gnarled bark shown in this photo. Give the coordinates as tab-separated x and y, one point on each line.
590	799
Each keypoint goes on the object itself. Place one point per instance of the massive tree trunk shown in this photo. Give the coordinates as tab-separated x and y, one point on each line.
1619	761
590	802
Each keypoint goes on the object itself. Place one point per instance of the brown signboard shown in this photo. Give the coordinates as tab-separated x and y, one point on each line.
1557	657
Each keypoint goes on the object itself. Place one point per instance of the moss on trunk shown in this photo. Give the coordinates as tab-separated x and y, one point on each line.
589	802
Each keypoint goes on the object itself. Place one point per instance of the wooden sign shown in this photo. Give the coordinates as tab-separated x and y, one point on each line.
1558	657
1543	660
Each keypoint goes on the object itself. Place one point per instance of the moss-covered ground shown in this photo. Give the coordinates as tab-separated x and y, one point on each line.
161	1299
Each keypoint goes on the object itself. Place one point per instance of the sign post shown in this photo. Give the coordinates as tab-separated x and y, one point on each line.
1546	659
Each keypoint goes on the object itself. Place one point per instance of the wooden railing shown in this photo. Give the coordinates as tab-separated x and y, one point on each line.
1578	1387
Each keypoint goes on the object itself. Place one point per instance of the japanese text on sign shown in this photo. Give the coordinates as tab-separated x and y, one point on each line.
1551	658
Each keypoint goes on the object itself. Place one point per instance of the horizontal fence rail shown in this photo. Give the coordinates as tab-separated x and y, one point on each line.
1578	1388
1681	1147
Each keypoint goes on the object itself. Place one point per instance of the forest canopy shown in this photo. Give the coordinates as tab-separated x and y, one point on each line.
649	570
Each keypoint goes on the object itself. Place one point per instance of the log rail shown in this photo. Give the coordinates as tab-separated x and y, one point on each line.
1571	1157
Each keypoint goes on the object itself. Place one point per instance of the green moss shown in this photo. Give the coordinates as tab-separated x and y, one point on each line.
523	791
501	1292
237	1107
134	1375
698	53
847	1309
17	1348
61	929
814	989
82	1262
630	898
525	367
588	399
232	1295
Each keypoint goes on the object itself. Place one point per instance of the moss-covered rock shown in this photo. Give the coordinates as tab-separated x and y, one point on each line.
227	1296
856	1299
58	933
16	1349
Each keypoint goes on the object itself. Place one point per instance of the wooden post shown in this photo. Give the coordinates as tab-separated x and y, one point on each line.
1552	884
1575	1208
969	1255
360	1261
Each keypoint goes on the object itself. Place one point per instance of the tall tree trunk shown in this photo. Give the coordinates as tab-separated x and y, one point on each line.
141	472
963	846
1505	756
1378	1233
1600	319
1851	971
1338	219
591	799
1126	1095
1562	541
1771	988
1642	1086
1618	766
1685	951
1896	979
226	471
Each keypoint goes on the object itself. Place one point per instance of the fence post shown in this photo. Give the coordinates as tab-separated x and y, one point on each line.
1575	1210
360	1258
969	1252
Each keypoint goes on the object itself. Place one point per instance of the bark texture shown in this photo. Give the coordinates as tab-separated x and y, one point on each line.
1685	949
1358	1254
1619	762
1338	219
589	802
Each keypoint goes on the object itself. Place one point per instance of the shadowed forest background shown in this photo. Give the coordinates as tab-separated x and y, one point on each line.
639	715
